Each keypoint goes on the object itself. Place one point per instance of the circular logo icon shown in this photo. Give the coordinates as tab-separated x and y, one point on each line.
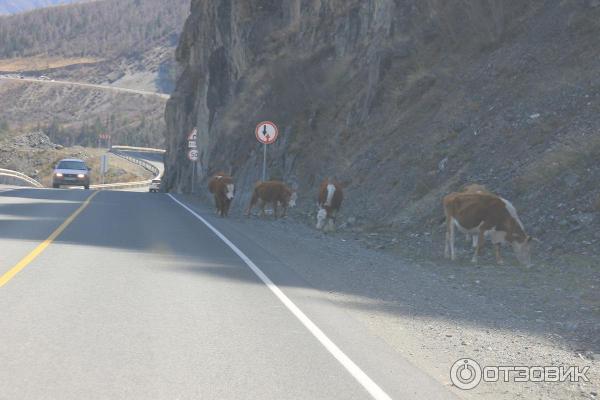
267	132
465	374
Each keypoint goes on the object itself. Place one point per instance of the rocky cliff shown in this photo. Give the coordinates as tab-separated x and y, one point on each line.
402	101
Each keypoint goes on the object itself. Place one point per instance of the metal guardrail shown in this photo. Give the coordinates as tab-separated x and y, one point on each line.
142	163
138	149
15	176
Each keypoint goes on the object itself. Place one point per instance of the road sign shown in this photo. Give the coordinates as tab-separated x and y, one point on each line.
193	135
193	155
267	132
192	144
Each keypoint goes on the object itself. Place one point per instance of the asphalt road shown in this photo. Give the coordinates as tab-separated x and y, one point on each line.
88	85
138	299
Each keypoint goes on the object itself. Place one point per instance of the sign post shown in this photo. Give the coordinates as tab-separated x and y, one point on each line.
266	133
103	166
193	154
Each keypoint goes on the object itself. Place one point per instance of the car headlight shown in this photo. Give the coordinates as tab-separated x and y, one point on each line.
81	176
59	175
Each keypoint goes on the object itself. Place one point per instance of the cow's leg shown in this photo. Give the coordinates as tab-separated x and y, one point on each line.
252	204
330	227
447	243
275	208
480	242
475	240
468	237
263	204
499	259
452	249
222	207
216	204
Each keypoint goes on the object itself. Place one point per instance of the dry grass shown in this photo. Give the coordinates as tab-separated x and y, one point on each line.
42	63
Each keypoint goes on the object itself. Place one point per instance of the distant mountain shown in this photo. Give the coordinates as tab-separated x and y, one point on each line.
101	29
17	6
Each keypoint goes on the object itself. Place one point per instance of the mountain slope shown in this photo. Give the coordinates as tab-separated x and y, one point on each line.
126	43
402	101
102	29
17	6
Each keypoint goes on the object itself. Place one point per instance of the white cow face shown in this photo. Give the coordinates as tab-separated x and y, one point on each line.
230	191
293	198
523	251
321	218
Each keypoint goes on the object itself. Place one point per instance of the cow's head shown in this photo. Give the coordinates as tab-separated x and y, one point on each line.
522	248
292	200
229	191
321	218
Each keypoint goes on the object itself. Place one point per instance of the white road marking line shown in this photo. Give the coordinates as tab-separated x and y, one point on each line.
365	381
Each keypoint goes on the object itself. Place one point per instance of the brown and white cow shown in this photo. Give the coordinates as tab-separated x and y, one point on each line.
329	202
223	189
273	192
485	214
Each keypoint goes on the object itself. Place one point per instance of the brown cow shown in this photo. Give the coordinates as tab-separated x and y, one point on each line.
330	200
274	192
223	189
485	214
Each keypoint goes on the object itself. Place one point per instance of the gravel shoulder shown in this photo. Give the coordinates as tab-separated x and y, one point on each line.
433	312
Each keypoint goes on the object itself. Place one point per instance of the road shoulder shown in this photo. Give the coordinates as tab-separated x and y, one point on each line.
430	319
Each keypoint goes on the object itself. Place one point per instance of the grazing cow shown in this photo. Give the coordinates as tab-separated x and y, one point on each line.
273	192
329	202
223	189
484	214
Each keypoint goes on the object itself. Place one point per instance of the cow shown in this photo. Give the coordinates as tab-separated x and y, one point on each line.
274	192
329	202
223	189
485	214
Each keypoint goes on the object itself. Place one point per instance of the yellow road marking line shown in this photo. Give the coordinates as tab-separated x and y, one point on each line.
38	250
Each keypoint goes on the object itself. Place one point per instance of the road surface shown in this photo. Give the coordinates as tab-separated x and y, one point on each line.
88	85
136	298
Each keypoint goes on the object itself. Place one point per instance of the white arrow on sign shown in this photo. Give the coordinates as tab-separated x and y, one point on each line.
193	155
267	132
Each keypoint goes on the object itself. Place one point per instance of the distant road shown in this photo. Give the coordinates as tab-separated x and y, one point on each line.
88	85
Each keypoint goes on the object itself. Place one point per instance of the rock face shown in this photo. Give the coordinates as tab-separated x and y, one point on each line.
400	100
